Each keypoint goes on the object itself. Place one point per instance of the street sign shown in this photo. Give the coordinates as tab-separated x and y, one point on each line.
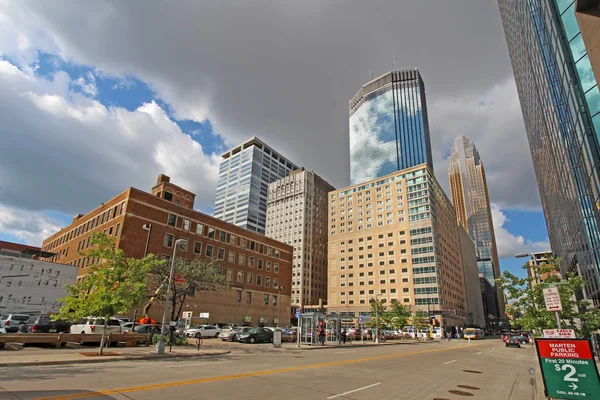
552	299
568	368
297	313
204	315
187	314
559	333
364	319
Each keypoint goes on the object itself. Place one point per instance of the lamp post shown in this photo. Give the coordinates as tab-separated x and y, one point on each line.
280	288
160	346
377	318
147	227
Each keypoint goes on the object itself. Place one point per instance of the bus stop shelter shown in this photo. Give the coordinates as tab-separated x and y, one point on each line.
309	324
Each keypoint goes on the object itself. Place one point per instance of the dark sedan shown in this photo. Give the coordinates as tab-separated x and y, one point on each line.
256	335
513	341
43	323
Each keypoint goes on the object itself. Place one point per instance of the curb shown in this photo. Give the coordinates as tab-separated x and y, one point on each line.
115	359
354	346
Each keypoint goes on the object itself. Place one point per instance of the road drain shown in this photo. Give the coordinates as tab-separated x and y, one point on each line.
472	372
460	393
468	387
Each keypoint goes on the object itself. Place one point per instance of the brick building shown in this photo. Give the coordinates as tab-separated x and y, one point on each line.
145	223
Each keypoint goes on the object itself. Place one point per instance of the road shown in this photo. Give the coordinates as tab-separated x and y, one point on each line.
426	371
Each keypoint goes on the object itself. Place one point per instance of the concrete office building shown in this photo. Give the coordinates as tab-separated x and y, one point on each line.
144	223
476	313
389	130
244	177
29	285
560	100
396	238
470	198
297	214
587	13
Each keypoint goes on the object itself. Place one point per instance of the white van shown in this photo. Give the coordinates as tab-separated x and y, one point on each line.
91	325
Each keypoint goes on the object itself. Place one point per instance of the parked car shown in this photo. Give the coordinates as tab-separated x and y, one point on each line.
204	331
126	327
124	320
12	322
95	325
43	323
286	335
2	332
231	336
256	335
513	341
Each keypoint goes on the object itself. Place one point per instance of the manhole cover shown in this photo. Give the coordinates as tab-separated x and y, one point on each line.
460	393
472	372
468	387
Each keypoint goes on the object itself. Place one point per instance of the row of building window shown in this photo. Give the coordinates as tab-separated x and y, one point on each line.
238	298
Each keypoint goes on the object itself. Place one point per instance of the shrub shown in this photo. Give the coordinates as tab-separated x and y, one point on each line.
177	341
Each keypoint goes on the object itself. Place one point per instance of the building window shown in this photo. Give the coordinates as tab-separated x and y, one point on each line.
251	262
242	243
267	281
266	299
249	278
260	263
200	229
229	274
197	247
275	283
117	230
258	280
211	233
209	251
221	254
274	301
222	236
183	245
240	276
232	240
268	269
186	224
249	297
168	242
242	259
238	296
276	268
172	220
231	258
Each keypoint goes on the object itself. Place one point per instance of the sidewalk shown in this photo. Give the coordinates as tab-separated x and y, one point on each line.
89	356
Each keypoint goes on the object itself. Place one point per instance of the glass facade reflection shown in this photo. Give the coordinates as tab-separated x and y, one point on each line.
244	177
558	96
389	130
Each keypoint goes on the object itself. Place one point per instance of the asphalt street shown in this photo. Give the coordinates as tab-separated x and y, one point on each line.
425	371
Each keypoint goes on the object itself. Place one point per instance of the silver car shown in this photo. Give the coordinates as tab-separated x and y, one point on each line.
203	331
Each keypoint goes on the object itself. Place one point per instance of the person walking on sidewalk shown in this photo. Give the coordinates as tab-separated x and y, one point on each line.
344	336
322	335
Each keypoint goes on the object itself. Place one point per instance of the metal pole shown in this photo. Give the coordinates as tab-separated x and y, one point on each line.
160	346
279	305
376	320
558	319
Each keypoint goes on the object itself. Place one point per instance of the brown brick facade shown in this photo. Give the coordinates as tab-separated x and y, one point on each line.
257	264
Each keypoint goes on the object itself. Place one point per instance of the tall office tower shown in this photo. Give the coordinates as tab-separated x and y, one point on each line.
561	107
244	177
297	215
396	238
471	201
389	130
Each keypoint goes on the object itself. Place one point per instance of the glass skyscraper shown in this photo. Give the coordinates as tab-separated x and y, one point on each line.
244	177
561	108
471	201
389	130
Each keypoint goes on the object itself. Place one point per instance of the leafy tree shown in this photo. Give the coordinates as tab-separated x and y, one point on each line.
398	314
378	313
420	320
113	284
526	300
189	278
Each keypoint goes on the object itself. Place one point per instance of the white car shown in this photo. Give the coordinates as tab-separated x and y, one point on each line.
2	332
204	331
95	325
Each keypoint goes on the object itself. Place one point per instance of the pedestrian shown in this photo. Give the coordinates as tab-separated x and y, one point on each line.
322	335
344	336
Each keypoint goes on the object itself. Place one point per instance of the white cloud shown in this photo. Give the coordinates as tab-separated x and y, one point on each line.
509	244
32	227
87	84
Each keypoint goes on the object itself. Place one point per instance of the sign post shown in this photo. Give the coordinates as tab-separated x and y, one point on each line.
559	333
568	368
552	300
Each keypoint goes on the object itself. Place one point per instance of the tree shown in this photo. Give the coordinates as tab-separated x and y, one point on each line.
189	279
398	314
526	300
113	284
420	320
378	313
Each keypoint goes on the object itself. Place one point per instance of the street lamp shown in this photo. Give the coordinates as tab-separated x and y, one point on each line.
160	346
377	318
147	227
280	288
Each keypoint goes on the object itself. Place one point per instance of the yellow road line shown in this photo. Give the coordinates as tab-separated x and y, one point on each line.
246	375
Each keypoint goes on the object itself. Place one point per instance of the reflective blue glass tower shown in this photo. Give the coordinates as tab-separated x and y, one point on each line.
389	130
561	108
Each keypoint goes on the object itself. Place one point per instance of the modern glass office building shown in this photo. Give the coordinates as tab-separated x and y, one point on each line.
470	198
389	130
561	108
244	177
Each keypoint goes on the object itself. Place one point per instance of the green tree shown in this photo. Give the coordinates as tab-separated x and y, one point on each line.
190	278
398	314
420	320
526	300
378	313
113	284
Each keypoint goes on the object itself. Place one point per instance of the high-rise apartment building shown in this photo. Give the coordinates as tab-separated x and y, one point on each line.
389	130
297	214
244	177
561	107
475	300
150	223
396	238
470	198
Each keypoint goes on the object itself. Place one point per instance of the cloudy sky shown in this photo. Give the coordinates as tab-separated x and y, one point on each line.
99	96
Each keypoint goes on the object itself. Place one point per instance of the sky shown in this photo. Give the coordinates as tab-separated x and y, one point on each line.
99	96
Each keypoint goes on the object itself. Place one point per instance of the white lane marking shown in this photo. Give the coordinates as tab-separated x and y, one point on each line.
353	391
342	352
450	362
195	364
479	352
